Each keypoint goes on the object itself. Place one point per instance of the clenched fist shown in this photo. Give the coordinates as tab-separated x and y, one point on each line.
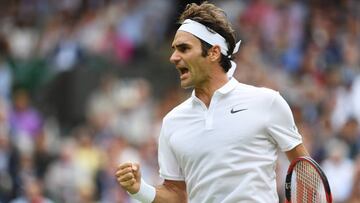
129	177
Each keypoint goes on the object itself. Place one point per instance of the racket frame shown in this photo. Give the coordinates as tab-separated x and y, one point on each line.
316	166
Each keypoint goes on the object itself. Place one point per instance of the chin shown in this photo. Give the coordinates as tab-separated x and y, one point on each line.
186	85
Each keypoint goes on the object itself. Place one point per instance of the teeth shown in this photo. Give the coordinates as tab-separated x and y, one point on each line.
183	70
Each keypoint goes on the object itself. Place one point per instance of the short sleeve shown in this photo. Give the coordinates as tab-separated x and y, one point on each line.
169	167
281	125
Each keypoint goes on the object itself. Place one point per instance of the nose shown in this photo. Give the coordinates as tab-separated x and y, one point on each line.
175	58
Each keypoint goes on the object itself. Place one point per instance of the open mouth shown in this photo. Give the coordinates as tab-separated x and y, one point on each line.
183	70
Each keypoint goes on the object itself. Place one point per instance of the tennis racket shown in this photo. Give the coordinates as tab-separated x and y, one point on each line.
306	182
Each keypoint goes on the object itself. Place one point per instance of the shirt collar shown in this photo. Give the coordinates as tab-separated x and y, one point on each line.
230	85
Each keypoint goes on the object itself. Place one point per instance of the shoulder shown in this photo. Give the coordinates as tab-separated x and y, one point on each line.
260	93
171	120
179	110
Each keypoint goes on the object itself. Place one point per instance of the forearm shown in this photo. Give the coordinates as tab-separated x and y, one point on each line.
129	177
170	193
298	151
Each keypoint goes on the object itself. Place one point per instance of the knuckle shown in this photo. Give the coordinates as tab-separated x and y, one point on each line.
132	182
125	171
127	177
128	183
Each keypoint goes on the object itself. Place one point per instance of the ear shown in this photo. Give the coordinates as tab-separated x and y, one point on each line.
214	53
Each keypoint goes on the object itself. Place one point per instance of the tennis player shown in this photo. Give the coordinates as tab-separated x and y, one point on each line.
221	144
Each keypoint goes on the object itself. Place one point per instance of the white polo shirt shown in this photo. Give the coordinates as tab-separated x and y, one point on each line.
227	153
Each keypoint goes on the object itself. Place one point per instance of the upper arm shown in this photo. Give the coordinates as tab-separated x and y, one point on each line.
282	128
168	163
171	191
297	151
280	124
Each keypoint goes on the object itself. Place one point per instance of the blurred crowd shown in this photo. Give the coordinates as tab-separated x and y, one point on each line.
84	85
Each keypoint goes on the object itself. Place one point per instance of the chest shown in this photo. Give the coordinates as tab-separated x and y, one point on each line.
219	131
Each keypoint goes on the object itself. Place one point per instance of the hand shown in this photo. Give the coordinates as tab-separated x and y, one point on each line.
129	177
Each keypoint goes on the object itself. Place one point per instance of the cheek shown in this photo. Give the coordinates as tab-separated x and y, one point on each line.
196	64
200	67
198	73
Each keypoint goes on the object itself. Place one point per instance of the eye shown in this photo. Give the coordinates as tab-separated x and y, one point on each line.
183	49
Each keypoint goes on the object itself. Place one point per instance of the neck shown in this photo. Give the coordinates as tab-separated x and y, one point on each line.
206	91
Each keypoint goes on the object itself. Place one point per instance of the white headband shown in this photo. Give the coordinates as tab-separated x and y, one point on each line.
211	37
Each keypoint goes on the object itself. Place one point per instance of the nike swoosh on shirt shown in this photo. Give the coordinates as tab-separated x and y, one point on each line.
236	111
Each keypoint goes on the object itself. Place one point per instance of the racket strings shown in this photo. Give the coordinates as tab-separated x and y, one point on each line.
308	185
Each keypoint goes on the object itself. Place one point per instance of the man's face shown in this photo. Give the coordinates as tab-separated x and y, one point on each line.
192	66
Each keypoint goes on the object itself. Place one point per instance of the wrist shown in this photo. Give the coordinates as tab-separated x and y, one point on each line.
146	193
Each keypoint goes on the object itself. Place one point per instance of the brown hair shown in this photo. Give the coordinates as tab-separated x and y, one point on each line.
214	18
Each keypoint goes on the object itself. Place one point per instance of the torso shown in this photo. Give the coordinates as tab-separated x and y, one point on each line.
224	151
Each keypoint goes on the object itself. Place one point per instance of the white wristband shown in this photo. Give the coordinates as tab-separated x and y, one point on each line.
146	194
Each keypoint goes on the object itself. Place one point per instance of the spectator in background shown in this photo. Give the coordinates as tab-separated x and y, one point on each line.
87	159
347	98
117	150
67	52
123	108
6	75
102	109
25	120
350	134
135	110
339	169
9	163
4	116
23	38
61	178
33	192
42	155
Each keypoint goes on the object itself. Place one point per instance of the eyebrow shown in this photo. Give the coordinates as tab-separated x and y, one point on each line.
179	46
